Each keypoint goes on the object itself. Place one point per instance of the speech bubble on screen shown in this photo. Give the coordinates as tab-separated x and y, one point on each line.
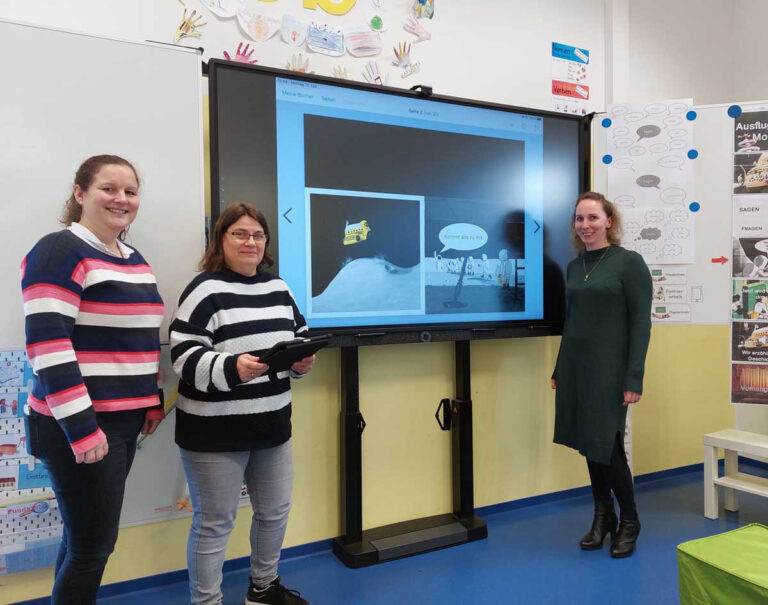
648	131
658	148
648	180
670	121
621	131
637	150
762	245
677	144
619	110
623	164
648	248
672	249
677	133
634	116
631	226
680	233
621	143
462	236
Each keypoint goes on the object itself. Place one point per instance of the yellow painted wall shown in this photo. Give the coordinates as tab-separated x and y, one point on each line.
406	458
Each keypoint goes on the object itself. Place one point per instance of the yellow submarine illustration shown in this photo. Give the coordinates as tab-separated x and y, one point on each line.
356	232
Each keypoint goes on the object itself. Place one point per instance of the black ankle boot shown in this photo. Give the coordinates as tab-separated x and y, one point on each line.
624	543
603	523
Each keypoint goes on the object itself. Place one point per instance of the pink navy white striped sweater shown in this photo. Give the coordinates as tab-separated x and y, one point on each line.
92	328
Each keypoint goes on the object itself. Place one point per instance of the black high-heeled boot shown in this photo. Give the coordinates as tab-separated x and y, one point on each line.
623	544
603	523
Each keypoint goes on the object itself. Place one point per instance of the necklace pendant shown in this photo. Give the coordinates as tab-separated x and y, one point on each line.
586	277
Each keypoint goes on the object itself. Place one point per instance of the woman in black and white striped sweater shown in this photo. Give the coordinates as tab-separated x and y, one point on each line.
233	421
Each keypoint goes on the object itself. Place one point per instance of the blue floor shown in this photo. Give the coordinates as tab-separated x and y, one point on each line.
531	557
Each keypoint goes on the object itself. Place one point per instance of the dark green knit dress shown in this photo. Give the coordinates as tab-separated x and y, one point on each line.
602	354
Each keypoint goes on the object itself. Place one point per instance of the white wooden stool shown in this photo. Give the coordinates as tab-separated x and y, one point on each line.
733	442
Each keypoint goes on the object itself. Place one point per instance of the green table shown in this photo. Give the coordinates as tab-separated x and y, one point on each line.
726	569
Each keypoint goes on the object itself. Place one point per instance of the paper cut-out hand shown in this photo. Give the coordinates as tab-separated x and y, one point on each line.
188	26
242	55
298	64
372	74
402	54
412	26
340	72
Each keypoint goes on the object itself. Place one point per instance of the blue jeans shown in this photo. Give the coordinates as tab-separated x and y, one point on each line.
214	480
90	498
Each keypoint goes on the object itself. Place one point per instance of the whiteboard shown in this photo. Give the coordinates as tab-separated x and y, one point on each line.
713	189
67	96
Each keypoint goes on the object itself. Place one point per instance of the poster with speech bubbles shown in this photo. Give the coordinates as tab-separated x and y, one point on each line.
649	161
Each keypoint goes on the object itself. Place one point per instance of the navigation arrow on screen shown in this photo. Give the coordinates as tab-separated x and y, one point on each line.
721	260
285	215
537	227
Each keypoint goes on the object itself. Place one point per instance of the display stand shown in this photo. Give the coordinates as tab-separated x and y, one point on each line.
358	548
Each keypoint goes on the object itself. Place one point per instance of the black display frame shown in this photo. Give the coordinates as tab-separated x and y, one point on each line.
419	331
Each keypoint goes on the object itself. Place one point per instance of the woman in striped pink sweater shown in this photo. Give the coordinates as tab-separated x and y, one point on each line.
93	314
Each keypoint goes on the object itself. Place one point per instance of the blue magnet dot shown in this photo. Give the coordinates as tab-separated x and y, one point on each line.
607	158
694	206
734	111
693	154
691	116
606	122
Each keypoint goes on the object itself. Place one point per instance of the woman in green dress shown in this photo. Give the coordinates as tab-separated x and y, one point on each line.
599	370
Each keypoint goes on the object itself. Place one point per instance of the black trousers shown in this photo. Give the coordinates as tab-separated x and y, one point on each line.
614	477
90	498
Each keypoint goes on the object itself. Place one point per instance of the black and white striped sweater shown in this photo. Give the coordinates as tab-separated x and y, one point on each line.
220	316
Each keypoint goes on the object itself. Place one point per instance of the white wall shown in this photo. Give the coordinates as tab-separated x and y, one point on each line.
494	50
748	65
682	48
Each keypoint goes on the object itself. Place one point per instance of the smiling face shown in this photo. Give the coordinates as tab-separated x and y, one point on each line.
243	256
110	202
592	224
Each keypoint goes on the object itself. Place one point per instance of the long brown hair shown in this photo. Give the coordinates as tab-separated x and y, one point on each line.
84	176
213	260
614	231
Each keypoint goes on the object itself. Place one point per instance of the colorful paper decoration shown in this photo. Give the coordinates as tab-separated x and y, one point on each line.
242	55
257	27
188	26
293	31
326	40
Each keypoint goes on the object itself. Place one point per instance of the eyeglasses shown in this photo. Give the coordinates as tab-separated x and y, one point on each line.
244	236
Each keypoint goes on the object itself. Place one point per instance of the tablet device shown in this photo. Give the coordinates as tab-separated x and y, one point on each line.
284	354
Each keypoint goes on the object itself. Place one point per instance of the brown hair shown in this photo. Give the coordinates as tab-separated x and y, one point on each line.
213	260
614	231
84	176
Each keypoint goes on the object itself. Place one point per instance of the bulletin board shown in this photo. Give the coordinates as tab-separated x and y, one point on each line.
70	96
